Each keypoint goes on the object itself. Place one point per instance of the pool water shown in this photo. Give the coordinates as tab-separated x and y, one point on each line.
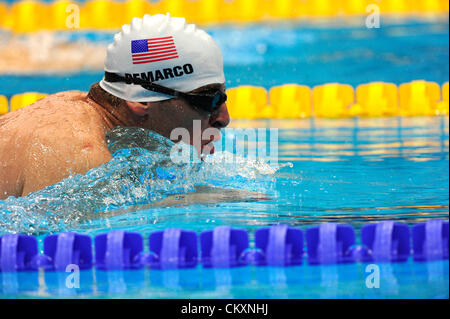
346	171
352	171
269	55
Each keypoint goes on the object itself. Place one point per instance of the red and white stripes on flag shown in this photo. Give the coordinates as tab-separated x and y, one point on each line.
153	50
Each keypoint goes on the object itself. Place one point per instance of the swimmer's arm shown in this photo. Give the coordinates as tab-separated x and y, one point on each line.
210	195
49	164
203	195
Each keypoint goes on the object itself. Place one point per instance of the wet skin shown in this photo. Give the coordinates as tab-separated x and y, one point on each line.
64	134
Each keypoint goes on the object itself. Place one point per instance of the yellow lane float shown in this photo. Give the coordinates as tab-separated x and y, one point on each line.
3	105
21	100
419	98
376	99
31	15
332	100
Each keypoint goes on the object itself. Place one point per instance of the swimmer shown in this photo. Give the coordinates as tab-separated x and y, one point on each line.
160	74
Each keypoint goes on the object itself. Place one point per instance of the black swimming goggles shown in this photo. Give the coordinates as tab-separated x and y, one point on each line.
207	102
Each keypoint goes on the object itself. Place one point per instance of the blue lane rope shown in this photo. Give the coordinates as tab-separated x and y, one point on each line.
226	247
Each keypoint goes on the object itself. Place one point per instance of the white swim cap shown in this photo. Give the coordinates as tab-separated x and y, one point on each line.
164	50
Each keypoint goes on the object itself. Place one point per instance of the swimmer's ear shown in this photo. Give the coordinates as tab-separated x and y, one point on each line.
138	107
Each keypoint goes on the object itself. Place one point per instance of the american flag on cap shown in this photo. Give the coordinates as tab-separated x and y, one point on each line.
153	50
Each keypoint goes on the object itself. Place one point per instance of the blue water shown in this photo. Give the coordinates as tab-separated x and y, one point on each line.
274	55
352	171
347	171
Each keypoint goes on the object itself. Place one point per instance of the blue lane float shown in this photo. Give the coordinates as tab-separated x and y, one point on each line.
281	245
430	240
173	248
330	243
18	253
223	247
65	249
226	247
118	250
386	242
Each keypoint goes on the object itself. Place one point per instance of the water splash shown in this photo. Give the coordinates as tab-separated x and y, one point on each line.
140	172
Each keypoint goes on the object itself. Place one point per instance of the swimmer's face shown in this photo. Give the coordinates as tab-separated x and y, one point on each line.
168	117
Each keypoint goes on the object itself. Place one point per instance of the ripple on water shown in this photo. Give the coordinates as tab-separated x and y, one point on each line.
140	172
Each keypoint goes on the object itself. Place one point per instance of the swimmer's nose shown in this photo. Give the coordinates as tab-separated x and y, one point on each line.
220	118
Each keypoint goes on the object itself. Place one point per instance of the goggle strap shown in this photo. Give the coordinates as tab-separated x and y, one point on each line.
114	77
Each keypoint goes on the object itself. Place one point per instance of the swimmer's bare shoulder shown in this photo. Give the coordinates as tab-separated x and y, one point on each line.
47	141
